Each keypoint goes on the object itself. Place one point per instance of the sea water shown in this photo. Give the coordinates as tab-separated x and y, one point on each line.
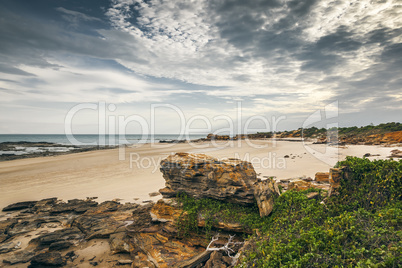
83	140
95	139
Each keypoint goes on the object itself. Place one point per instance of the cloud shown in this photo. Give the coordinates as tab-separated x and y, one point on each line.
75	16
12	70
274	55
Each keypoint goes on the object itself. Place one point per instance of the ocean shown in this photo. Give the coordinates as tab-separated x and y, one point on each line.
95	139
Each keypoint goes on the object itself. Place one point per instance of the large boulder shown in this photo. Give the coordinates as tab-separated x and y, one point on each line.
265	193
202	176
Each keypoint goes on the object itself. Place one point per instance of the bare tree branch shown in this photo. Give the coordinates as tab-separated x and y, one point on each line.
227	247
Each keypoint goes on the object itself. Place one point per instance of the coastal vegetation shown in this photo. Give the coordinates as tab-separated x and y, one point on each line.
359	226
363	131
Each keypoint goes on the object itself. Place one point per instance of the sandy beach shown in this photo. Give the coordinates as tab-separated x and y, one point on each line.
133	173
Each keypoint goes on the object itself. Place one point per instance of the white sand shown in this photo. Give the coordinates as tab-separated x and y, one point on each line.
101	174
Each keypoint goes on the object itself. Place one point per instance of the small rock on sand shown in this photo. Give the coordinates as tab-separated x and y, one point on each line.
154	194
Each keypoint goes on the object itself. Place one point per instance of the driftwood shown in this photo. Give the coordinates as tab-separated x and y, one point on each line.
227	247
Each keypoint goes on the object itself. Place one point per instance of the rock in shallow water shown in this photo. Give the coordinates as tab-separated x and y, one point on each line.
202	176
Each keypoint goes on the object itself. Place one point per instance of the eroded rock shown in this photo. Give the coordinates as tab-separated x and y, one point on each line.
322	177
19	206
146	241
163	212
163	251
74	205
52	259
60	245
202	176
26	225
97	226
118	243
265	193
299	185
215	261
5	226
22	256
8	247
63	235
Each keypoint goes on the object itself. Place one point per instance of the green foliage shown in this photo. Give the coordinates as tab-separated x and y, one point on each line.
381	128
370	184
352	239
360	227
214	211
314	132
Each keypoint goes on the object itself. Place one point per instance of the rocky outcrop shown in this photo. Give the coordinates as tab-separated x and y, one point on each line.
59	234
396	154
322	177
218	137
265	192
21	256
19	206
63	235
47	259
299	185
202	176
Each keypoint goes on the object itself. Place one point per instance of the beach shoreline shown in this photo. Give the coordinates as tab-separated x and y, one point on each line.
130	173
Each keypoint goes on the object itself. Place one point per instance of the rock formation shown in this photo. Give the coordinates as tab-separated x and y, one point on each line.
322	177
202	176
52	233
265	193
396	154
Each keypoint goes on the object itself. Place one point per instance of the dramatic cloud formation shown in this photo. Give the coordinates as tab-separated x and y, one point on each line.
276	57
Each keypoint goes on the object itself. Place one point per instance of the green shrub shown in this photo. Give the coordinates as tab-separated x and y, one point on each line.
213	211
370	184
302	234
360	227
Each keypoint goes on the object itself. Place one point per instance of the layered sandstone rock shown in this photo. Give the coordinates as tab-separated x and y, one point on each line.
202	176
265	193
140	236
299	185
322	177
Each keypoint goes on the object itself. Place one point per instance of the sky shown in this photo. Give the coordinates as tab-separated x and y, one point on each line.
198	66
